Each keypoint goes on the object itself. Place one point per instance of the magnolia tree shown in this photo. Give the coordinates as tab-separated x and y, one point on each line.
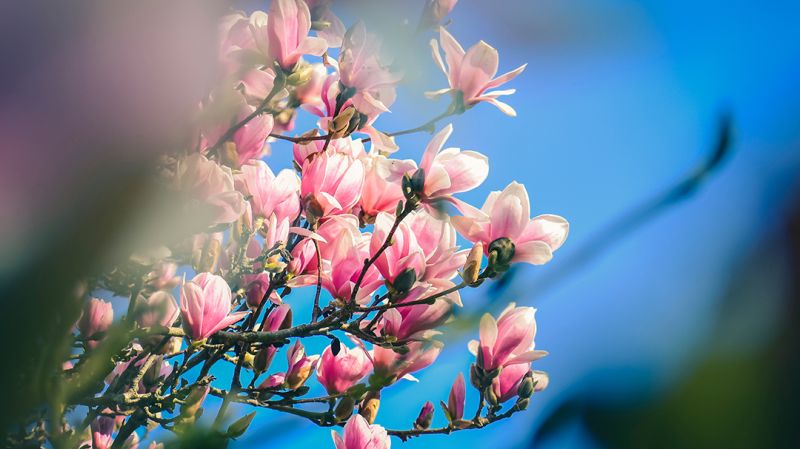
371	238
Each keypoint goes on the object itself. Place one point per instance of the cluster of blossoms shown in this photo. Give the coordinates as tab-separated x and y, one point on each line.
367	235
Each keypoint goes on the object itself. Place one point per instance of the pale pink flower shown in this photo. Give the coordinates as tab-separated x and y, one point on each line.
360	434
270	194
310	92
382	183
300	366
163	276
418	321
470	73
321	11
506	384
342	266
102	432
235	41
509	340
404	253
391	365
212	185
334	180
273	381
505	214
257	83
206	306
437	239
457	398
158	309
353	148
250	139
361	70
451	170
288	25
97	317
341	371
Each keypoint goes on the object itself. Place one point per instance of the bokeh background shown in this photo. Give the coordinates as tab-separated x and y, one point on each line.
671	321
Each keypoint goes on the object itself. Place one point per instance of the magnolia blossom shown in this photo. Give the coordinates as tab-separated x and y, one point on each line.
435	11
249	140
457	399
505	214
288	24
270	194
235	41
507	340
360	434
163	276
310	92
340	371
418	321
471	73
212	185
392	366
102	432
353	148
321	12
206	306
382	183
279	318
334	181
300	366
360	69
97	317
425	416
451	170
158	309
505	385
404	253
437	240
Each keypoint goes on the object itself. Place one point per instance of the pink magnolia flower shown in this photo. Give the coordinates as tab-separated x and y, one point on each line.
320	11
256	84
437	239
505	214
249	140
506	384
360	434
273	381
206	306
334	180
102	432
425	416
300	366
97	317
451	170
158	309
392	366
212	185
338	372
270	194
361	70
310	93
279	318
470	73
353	148
342	265
457	398
235	41
382	184
163	276
418	321
403	254
288	24
509	339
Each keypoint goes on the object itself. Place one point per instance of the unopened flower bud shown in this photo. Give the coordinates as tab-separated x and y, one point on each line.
300	75
502	250
404	281
472	267
522	403
370	405
425	417
313	209
342	125
491	397
344	408
540	380
194	400
525	389
476	375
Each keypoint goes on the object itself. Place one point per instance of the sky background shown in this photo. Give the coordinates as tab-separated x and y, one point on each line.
620	100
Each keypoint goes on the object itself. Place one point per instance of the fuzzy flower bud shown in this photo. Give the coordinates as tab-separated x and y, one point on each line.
425	417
